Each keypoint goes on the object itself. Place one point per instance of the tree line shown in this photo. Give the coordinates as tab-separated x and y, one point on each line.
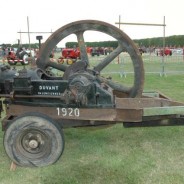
171	41
113	44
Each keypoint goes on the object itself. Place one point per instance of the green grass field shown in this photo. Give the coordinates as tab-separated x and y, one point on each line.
115	154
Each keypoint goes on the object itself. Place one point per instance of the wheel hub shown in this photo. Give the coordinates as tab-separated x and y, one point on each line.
33	144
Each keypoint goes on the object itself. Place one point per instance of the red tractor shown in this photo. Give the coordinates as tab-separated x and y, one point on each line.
69	56
18	57
166	52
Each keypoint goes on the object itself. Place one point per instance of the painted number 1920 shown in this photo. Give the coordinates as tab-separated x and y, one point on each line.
68	112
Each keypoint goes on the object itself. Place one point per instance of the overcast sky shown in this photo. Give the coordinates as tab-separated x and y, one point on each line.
53	14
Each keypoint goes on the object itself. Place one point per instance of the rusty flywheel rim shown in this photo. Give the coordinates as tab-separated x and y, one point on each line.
124	43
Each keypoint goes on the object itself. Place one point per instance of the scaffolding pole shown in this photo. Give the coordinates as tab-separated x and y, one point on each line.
162	73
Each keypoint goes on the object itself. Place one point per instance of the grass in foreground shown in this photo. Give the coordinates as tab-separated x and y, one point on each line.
114	155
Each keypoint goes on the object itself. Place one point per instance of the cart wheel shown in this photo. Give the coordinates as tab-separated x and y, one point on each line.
24	59
34	140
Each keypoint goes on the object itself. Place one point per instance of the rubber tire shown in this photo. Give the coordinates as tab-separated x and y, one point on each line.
22	54
24	62
53	145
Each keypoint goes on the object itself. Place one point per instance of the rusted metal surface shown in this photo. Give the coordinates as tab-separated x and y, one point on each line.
84	113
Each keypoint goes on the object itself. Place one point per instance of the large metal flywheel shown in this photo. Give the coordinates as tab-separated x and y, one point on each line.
124	44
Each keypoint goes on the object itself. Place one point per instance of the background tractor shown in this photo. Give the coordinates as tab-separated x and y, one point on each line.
19	57
69	56
164	52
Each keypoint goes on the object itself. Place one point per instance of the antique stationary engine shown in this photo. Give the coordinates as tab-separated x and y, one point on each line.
38	105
